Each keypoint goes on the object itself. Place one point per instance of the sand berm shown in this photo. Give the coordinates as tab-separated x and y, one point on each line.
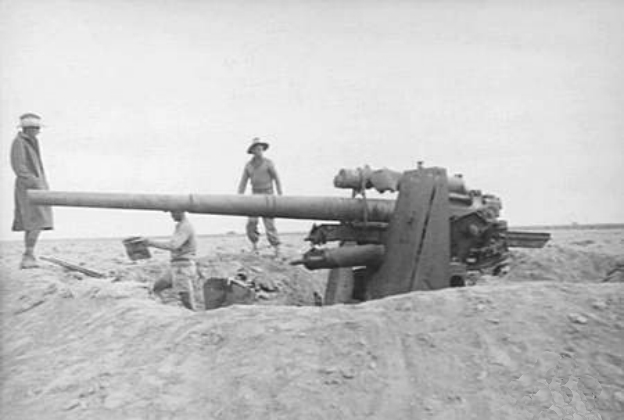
75	347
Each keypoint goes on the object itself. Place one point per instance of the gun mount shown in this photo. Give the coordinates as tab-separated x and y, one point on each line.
430	237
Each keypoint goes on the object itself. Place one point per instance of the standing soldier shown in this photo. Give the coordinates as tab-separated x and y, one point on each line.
28	167
262	174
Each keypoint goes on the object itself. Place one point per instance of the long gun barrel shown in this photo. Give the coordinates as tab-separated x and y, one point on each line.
291	207
312	208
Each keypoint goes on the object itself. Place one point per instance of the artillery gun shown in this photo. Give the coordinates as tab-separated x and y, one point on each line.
430	237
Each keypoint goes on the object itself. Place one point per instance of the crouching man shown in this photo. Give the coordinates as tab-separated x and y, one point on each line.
182	274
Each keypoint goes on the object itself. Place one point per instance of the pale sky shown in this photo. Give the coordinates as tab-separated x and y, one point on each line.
522	97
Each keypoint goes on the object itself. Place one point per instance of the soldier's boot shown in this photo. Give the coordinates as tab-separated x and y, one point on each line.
185	298
28	261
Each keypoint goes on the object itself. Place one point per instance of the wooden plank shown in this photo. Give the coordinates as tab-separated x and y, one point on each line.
74	267
418	240
404	237
433	259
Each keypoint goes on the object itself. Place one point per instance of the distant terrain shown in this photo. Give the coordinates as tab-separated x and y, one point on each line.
572	226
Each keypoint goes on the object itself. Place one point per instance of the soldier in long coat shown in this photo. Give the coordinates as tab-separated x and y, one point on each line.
28	167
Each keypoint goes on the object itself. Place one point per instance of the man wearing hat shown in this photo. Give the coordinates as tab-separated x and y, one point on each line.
28	167
262	173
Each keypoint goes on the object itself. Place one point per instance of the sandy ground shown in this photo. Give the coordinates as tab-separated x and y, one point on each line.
548	336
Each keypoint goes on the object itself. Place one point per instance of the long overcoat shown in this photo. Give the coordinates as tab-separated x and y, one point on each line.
28	167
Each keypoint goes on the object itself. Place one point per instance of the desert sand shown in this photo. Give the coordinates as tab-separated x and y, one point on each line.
547	336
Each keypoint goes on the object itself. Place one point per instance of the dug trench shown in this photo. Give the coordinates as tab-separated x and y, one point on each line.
75	347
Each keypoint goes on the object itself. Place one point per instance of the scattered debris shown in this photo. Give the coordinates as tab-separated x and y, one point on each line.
599	304
583	243
616	274
318	299
220	292
71	405
264	283
577	318
29	304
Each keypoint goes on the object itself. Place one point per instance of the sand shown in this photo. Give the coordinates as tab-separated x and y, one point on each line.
547	336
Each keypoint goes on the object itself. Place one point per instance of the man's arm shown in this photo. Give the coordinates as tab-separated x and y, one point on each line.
243	182
168	245
276	179
18	163
177	240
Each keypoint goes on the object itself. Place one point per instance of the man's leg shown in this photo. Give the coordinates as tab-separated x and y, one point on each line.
30	241
183	278
252	232
271	232
164	282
